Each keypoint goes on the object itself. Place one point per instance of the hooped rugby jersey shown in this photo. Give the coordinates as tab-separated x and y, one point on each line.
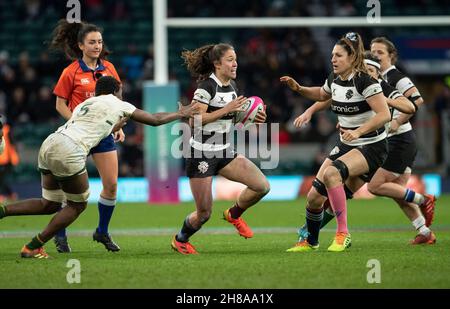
214	136
350	105
77	82
402	83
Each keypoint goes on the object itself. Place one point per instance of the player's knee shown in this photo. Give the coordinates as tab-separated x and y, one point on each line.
50	207
337	172
319	187
314	199
373	188
264	187
78	198
110	189
204	216
79	207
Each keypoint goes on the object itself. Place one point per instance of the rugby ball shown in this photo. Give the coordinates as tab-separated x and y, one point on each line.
250	109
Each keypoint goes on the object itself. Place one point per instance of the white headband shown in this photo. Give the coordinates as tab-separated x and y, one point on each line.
371	62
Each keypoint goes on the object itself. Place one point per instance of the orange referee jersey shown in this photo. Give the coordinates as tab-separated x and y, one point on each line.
77	81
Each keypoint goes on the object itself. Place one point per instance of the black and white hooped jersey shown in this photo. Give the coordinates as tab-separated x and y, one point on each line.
402	83
349	103
214	136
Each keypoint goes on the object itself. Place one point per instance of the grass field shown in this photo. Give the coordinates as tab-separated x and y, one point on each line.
379	231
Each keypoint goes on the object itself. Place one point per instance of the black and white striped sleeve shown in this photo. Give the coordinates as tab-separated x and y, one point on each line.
367	86
400	81
327	85
204	92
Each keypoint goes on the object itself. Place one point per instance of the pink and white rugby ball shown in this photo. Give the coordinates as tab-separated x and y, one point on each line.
249	111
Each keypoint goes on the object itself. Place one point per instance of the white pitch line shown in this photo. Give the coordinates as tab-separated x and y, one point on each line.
207	230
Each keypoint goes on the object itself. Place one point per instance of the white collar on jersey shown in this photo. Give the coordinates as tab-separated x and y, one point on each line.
217	80
349	77
388	69
214	77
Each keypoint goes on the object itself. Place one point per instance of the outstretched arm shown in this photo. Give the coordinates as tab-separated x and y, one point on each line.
162	118
304	118
312	93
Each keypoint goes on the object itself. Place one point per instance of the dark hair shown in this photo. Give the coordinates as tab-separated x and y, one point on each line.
369	56
389	46
66	37
354	46
106	85
200	62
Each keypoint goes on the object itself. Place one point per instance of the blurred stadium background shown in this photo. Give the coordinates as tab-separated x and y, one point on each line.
29	71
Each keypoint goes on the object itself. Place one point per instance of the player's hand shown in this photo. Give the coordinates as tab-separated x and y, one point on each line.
350	135
393	126
119	125
190	110
236	105
261	116
302	120
290	82
119	136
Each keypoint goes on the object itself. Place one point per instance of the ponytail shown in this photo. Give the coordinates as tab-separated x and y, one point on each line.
200	62
354	46
66	37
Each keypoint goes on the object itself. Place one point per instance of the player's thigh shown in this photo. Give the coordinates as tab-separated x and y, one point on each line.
201	189
244	171
76	184
107	165
382	176
76	189
356	163
49	182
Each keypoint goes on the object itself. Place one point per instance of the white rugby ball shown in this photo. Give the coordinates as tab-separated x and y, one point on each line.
250	109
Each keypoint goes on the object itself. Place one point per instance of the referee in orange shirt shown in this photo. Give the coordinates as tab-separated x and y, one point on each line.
83	43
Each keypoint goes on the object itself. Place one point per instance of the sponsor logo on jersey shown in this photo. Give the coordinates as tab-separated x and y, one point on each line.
84	81
344	109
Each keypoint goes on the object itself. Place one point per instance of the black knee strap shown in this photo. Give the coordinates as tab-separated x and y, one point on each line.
348	192
320	187
342	168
